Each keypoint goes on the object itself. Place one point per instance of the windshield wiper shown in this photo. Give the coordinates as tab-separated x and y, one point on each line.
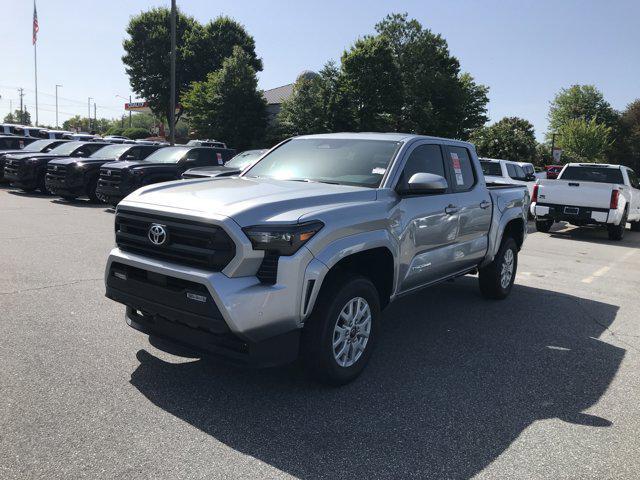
308	180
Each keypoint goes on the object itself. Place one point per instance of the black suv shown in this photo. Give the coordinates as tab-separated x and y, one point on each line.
14	142
34	146
73	177
119	179
27	170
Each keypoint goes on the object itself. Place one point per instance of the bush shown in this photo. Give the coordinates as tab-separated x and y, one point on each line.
115	131
135	133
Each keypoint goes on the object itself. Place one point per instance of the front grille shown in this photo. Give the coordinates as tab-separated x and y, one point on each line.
110	177
187	242
57	172
12	168
268	271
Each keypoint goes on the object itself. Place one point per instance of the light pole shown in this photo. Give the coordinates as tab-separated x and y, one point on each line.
57	86
89	111
172	105
124	98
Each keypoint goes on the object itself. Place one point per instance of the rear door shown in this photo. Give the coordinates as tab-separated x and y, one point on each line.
634	207
473	204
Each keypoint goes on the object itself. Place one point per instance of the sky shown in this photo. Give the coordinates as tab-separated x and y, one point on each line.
525	51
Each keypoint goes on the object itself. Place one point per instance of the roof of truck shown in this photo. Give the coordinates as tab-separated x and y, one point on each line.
599	165
392	136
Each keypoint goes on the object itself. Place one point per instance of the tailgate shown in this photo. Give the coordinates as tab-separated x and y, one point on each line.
575	192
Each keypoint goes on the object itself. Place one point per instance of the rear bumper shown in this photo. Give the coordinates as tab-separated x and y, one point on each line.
576	214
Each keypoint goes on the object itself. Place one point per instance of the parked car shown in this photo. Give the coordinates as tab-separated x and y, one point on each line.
232	167
119	179
299	253
82	136
54	134
117	139
507	172
553	171
207	143
73	177
589	194
14	142
27	170
22	130
35	146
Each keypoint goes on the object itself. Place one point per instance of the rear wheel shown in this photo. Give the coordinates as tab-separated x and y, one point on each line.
544	226
616	232
496	279
338	339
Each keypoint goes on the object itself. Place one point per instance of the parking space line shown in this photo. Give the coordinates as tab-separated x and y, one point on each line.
602	271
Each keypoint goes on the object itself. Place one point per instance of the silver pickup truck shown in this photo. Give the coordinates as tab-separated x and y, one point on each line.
298	255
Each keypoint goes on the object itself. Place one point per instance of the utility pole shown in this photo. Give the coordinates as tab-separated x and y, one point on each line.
553	145
95	117
129	111
21	90
172	105
89	112
57	105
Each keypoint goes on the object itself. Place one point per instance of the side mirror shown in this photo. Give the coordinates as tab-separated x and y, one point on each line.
424	183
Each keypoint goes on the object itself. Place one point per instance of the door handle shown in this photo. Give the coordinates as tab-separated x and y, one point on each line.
451	209
485	204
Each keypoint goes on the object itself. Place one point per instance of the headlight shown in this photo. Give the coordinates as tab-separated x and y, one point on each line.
282	239
33	161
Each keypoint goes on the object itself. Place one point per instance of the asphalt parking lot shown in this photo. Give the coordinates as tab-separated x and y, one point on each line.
545	384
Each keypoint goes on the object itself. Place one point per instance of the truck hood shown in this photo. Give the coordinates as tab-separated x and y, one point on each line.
128	164
248	201
72	160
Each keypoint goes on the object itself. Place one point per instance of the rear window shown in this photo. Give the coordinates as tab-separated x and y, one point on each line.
491	168
593	174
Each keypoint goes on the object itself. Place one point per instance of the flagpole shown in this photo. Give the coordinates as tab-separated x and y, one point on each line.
35	58
35	52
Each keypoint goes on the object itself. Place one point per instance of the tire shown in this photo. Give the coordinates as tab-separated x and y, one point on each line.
321	358
616	232
544	226
91	191
496	279
635	226
69	198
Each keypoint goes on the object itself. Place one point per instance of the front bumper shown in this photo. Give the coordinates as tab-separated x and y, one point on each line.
198	308
64	185
113	191
21	174
576	214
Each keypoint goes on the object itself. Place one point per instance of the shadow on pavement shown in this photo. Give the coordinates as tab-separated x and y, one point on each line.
593	234
454	381
79	203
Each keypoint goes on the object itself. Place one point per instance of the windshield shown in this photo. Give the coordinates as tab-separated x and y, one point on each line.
329	160
242	160
37	146
66	148
491	168
167	155
593	174
110	151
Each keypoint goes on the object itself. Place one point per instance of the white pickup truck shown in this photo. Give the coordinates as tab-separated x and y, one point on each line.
589	194
508	173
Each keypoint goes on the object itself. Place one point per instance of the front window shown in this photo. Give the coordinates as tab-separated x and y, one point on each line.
111	151
244	159
66	148
593	174
36	146
167	155
328	160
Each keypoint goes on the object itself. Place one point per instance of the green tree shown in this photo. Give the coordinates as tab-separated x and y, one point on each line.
626	149
511	138
438	98
18	117
135	133
580	101
371	78
200	50
304	112
84	124
585	140
228	105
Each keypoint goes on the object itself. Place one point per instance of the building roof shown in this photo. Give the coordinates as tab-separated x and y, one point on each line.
279	94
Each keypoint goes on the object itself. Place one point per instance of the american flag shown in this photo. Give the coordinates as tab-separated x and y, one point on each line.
36	27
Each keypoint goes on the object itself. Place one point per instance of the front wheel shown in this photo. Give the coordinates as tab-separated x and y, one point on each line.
91	191
544	226
338	339
496	279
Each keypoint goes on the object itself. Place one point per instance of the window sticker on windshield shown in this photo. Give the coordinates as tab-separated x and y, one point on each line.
455	161
219	157
378	171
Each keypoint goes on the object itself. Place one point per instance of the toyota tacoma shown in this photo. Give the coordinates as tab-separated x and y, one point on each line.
73	177
299	254
119	179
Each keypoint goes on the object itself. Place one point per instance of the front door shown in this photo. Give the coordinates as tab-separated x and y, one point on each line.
428	223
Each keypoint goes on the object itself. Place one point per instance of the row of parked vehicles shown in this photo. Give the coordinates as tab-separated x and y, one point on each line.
294	252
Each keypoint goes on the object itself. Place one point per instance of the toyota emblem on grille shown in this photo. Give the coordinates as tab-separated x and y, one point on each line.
157	234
